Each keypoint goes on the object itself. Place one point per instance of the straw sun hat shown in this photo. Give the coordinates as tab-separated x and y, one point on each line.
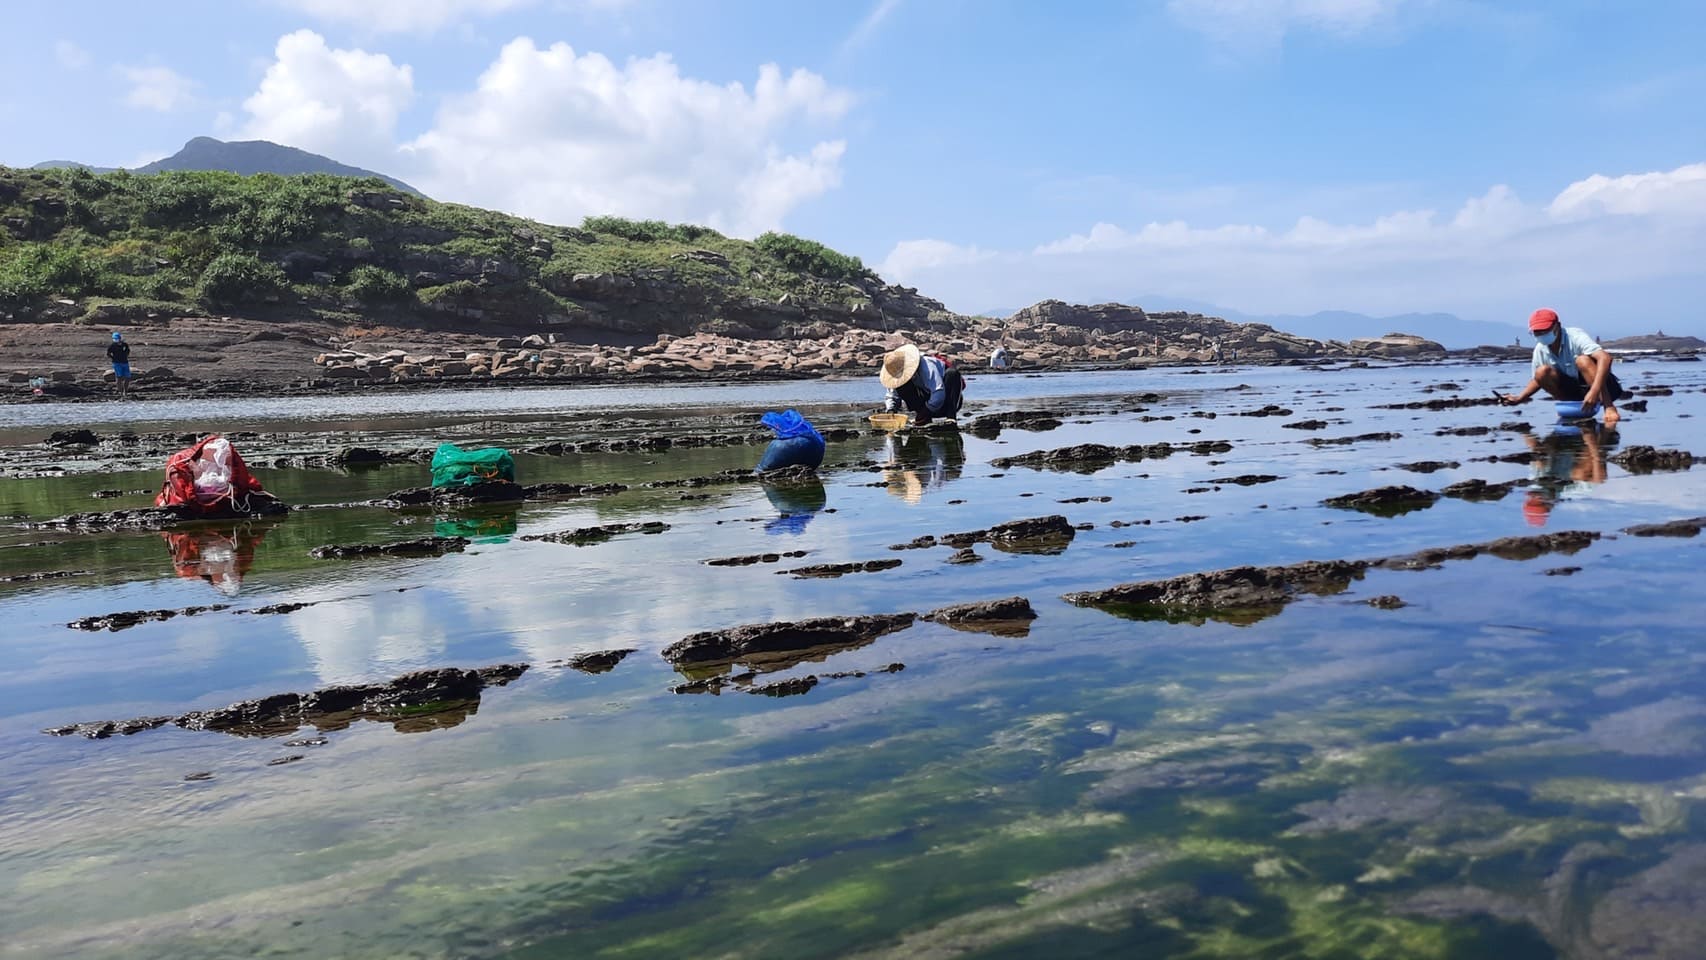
899	365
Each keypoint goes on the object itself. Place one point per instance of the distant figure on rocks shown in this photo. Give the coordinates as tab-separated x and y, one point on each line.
1569	365
998	359
119	353
928	386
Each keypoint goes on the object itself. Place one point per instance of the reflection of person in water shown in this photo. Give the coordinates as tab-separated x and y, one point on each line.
218	556
915	462
1567	463
795	503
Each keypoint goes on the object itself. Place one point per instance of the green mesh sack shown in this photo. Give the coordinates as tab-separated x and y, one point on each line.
453	466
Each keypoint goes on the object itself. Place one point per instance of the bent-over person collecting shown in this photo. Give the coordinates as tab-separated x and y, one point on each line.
1569	365
929	386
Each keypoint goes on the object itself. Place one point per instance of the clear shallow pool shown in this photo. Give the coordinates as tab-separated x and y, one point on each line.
1510	765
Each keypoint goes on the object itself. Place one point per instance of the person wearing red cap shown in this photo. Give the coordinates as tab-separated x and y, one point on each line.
1569	365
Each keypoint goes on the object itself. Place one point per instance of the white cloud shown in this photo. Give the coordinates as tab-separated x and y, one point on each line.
868	26
342	103
70	55
1495	250
1678	191
1265	22
157	88
556	135
911	257
401	16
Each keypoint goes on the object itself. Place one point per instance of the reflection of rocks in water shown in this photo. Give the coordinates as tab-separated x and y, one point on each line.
1039	535
588	536
423	700
1674	528
794	686
1009	617
1387	602
1645	459
1346	441
1429	466
767	645
831	570
493	491
1244	595
130	618
1091	457
1385	501
421	547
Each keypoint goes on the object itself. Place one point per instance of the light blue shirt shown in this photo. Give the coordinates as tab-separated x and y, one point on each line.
929	376
1575	343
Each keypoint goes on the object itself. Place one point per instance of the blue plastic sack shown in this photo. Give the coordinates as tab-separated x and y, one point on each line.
797	443
789	423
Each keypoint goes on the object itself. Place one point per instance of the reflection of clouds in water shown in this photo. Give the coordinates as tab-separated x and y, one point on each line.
365	638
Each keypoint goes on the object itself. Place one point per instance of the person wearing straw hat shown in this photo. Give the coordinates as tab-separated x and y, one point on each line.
929	386
1569	365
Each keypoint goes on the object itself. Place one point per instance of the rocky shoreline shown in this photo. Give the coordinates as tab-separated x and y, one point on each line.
179	356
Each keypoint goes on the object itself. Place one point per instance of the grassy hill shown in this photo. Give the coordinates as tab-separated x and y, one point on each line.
343	248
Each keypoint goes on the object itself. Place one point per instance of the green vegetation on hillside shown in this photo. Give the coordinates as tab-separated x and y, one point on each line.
327	244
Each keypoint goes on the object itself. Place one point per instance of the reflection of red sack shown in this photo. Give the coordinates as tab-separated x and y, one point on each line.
182	470
219	558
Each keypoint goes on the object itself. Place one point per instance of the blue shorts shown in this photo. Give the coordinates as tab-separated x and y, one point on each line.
121	371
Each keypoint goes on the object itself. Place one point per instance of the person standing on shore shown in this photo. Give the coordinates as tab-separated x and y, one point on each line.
119	353
1569	365
928	386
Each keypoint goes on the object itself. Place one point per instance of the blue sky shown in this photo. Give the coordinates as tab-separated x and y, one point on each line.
1382	156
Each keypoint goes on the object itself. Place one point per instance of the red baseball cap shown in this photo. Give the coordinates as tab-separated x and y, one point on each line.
1542	318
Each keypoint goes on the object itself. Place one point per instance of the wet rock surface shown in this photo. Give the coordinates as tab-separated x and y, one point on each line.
1042	535
758	640
602	661
1007	617
1385	501
831	570
1645	459
161	518
752	558
420	547
588	536
1429	466
130	618
1477	490
1672	528
425	699
1248	479
1346	441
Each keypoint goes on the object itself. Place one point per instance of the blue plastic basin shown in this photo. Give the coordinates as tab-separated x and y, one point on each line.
1576	410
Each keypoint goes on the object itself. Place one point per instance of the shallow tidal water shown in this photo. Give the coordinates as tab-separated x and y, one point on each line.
1511	764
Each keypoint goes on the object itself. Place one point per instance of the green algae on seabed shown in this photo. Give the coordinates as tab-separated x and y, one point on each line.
1328	782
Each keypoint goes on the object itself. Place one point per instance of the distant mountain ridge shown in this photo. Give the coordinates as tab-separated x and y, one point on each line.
245	157
1342	325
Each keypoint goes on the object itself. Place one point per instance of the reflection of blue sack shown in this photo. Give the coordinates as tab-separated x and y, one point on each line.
797	443
794	524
